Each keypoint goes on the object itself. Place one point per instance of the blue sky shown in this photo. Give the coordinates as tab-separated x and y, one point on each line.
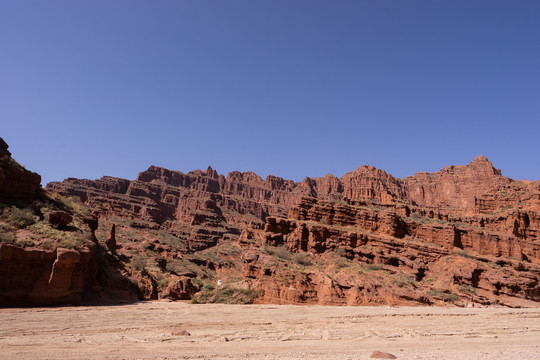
291	88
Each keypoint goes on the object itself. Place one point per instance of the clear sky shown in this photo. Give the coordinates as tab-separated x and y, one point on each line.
285	87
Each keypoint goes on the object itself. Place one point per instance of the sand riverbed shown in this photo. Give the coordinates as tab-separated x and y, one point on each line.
143	331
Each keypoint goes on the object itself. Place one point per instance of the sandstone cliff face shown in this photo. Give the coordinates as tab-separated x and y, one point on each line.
162	195
190	203
369	183
455	187
463	234
485	236
423	260
44	277
525	194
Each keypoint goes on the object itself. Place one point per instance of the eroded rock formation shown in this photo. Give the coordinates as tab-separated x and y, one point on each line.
33	276
164	196
464	234
419	259
48	249
15	180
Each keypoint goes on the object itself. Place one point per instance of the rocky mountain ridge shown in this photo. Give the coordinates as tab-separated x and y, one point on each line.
175	200
243	227
463	235
454	188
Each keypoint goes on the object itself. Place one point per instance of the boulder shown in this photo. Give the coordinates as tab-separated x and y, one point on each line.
179	289
180	332
59	219
382	355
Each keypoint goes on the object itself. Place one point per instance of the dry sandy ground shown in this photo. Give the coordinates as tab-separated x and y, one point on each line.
143	331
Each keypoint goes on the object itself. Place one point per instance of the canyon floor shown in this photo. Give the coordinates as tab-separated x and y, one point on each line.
143	331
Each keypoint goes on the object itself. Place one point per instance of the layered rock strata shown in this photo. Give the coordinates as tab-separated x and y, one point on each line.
424	260
463	234
162	195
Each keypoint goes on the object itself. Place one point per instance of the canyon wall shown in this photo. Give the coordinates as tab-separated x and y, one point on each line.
381	255
465	234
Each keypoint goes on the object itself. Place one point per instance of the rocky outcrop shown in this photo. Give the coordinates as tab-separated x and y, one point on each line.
4	149
455	187
524	193
179	289
369	183
15	180
111	239
48	248
45	277
484	235
59	219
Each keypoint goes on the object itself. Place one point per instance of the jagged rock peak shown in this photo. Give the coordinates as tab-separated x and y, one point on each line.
367	168
211	173
481	158
248	176
479	165
158	173
368	171
483	162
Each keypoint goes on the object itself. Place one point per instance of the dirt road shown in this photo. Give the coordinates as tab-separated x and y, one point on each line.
143	331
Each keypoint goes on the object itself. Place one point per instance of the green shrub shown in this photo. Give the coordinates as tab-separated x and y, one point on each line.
70	204
65	239
227	295
26	242
418	218
69	242
404	281
138	263
342	262
7	237
197	282
208	287
282	253
375	267
20	217
464	253
162	279
279	252
466	288
446	296
302	259
341	252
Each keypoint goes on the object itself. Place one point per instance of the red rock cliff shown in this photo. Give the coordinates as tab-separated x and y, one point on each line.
33	276
470	219
15	180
